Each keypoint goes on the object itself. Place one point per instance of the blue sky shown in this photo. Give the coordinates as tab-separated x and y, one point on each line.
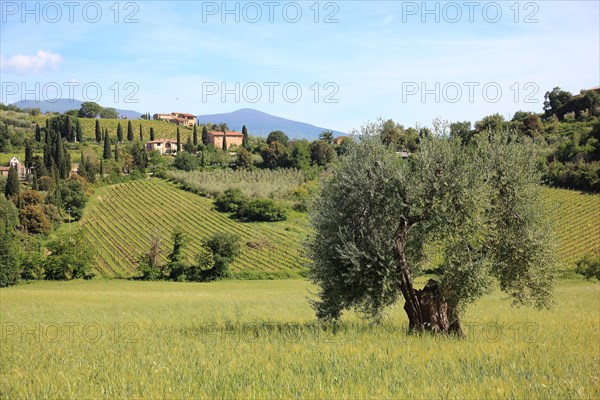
347	63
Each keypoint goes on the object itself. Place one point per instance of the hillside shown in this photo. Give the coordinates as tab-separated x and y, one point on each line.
577	222
261	124
119	220
162	129
63	105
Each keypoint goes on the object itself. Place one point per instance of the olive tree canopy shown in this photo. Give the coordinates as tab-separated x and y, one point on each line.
379	218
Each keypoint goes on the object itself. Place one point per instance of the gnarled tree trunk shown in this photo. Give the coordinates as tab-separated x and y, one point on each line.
427	309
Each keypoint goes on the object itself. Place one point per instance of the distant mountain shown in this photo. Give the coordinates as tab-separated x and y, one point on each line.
62	105
261	124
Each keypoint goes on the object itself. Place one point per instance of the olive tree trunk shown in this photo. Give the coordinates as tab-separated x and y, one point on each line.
427	309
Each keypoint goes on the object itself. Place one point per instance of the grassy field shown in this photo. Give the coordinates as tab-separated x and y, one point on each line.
240	339
120	219
577	223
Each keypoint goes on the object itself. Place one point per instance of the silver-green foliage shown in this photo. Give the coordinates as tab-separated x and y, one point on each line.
378	216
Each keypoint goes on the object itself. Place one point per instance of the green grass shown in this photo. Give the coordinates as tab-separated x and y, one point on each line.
577	223
120	219
241	339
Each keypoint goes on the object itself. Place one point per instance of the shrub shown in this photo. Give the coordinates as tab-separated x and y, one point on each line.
69	259
231	200
589	266
261	210
223	249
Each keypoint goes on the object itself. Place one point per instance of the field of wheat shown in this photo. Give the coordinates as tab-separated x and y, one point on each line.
259	339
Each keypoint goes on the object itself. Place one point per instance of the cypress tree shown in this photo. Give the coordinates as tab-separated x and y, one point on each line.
107	154
151	134
12	187
224	140
79	132
245	139
98	132
195	135
102	168
47	125
129	131
141	133
68	134
82	166
119	133
204	135
116	153
57	194
34	182
28	154
178	140
38	133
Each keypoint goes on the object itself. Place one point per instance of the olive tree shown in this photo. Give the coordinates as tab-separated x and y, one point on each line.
379	217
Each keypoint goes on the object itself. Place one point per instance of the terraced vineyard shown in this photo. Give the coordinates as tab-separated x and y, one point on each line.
120	220
577	219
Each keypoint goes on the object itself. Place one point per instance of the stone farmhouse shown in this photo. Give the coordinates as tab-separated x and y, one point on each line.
178	118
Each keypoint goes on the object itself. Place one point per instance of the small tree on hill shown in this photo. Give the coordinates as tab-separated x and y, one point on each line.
98	132
12	186
195	136
141	133
178	140
38	133
129	131
107	153
224	141
119	133
204	135
245	143
151	134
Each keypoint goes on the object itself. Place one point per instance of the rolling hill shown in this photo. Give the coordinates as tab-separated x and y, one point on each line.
62	105
120	219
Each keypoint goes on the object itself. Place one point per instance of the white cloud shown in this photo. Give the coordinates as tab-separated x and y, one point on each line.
23	64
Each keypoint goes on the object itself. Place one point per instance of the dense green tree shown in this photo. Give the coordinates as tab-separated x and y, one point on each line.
188	146
107	155
89	109
185	161
223	248
78	131
300	155
461	130
73	198
275	155
491	123
195	136
245	142
152	137
244	158
12	186
224	146
178	140
38	133
9	258
129	131
141	133
119	133
321	153
69	258
479	206
108	113
116	153
278	136
28	154
9	215
204	135
98	132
